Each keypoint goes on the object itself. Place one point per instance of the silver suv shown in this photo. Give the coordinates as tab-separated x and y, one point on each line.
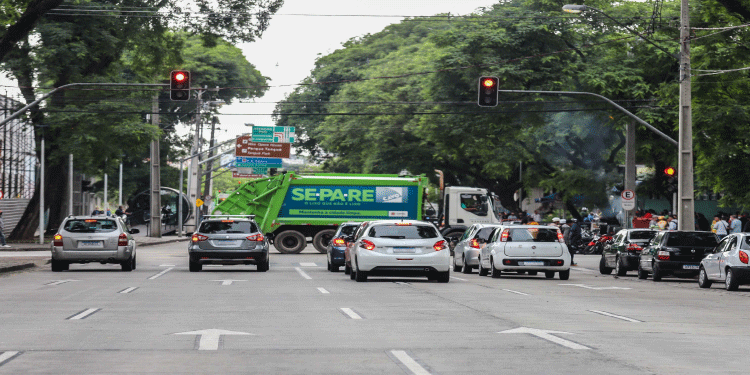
85	239
227	239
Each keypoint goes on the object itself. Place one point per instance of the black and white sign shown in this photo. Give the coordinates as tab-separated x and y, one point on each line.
628	200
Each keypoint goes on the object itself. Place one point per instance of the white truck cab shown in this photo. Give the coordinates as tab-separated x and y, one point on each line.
464	206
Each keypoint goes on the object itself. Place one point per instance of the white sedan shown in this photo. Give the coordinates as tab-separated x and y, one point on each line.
526	248
400	248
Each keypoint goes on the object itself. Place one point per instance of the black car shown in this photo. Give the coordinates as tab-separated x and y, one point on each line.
337	246
675	253
623	253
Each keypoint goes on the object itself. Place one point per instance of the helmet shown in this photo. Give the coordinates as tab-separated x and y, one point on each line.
573	220
555	219
562	221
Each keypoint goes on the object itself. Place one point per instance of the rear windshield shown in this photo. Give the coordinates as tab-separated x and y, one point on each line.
403	232
706	239
532	235
347	230
227	226
90	225
642	235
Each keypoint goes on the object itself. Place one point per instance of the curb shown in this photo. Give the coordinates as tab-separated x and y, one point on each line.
140	244
17	267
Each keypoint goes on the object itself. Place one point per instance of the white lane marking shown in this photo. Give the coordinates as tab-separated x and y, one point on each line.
7	356
58	282
166	265
302	273
401	283
350	313
625	318
324	291
128	290
84	314
458	278
308	264
227	282
409	362
161	273
213	265
210	337
583	270
547	335
516	292
596	287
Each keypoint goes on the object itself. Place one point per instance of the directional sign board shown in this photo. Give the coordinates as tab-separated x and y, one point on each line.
274	134
246	147
628	200
236	174
246	162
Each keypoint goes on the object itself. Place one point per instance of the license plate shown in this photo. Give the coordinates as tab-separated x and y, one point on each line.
404	250
90	244
530	263
690	267
226	242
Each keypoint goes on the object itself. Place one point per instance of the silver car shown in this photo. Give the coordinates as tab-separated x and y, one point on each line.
466	251
728	263
85	239
227	239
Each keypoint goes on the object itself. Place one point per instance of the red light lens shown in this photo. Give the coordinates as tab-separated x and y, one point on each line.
339	242
227	221
475	243
634	247
488	83
440	245
58	240
403	224
122	240
255	237
560	237
743	257
179	77
669	171
663	255
504	236
198	237
367	245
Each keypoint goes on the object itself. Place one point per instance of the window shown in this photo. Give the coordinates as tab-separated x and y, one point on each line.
703	239
745	245
227	227
484	234
474	203
467	233
90	225
532	235
347	230
642	234
401	232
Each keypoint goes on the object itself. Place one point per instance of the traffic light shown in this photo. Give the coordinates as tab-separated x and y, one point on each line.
179	84
670	174
669	171
488	91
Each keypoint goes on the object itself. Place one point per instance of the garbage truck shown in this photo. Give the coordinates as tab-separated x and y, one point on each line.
292	209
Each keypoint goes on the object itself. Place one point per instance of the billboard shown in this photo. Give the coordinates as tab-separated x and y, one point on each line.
354	202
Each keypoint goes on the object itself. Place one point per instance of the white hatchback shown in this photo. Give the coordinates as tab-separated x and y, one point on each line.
526	248
400	248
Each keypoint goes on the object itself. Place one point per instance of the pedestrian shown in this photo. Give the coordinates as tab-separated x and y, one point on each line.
671	223
537	217
703	223
2	235
720	227
662	223
735	225
97	211
575	239
109	213
555	222
565	228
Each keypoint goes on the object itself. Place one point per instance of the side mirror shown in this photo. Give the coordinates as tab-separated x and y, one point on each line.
134	231
429	212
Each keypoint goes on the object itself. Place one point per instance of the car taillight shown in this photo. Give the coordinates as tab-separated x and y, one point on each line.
475	243
255	237
58	240
441	245
367	245
122	240
743	257
198	237
504	236
339	242
634	247
663	255
560	237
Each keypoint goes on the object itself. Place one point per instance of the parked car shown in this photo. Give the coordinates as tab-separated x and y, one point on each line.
466	251
400	248
336	249
348	252
675	253
85	239
728	263
623	253
526	248
227	239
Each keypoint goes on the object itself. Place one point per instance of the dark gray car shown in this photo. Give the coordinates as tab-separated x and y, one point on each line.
223	239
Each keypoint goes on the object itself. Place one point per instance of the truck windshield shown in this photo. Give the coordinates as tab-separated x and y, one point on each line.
474	203
403	232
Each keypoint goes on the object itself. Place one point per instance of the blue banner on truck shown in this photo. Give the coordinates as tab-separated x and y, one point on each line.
351	202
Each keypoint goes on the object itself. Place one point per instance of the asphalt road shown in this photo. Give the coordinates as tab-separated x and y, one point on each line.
299	318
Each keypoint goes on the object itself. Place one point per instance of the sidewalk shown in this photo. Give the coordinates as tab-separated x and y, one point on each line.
27	255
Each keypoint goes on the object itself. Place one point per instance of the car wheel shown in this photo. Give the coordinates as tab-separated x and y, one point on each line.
703	280
494	272
443	277
620	268
656	276
58	265
482	271
322	239
263	267
127	265
290	242
361	276
134	261
731	282
564	275
549	274
603	269
195	266
642	274
352	274
347	270
456	268
467	268
532	273
328	261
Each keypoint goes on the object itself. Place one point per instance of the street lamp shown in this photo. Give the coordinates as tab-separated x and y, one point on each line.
685	193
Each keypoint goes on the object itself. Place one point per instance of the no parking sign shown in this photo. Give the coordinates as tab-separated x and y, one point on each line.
628	200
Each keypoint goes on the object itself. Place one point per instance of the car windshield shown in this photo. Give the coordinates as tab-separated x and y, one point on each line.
692	239
532	235
90	225
227	227
347	230
403	232
642	234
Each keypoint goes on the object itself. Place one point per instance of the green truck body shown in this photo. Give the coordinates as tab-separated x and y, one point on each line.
290	208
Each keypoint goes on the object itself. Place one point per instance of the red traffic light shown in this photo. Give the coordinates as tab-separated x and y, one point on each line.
180	76
669	171
488	82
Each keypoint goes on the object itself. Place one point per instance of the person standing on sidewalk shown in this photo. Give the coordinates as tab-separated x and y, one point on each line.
2	236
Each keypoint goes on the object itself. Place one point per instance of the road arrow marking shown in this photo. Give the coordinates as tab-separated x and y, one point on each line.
513	291
625	318
547	335
58	282
84	314
210	337
308	264
302	273
128	290
7	356
160	273
409	362
596	287
227	282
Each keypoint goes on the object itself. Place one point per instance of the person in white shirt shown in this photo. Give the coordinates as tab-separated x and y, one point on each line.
721	227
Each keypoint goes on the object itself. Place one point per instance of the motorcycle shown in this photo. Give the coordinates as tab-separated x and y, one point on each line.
596	245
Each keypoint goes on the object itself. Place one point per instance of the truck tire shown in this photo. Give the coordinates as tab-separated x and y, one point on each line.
322	239
290	242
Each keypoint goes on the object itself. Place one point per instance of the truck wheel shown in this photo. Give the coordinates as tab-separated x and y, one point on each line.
322	239
290	242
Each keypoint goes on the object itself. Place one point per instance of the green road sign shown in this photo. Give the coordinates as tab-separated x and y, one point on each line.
274	134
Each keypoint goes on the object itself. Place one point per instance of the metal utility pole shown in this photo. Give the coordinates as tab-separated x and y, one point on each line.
685	189
41	195
155	188
106	201
119	199
207	189
194	175
70	184
629	167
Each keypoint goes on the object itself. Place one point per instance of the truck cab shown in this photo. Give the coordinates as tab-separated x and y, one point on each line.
464	206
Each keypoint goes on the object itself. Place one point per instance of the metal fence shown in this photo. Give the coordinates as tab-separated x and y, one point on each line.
18	159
